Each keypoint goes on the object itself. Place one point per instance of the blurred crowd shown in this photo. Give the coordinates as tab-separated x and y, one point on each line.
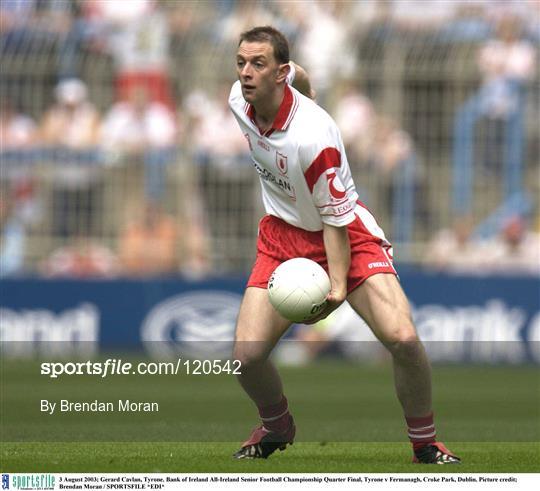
156	122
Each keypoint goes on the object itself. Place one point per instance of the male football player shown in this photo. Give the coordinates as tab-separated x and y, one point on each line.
313	210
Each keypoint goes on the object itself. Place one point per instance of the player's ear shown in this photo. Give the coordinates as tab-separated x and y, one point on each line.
283	71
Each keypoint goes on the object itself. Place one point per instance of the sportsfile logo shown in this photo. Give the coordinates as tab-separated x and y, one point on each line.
5	481
30	481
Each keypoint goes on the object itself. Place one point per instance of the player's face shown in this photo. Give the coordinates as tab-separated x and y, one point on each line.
258	71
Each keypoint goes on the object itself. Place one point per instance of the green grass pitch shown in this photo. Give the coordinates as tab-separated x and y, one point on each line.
347	417
342	457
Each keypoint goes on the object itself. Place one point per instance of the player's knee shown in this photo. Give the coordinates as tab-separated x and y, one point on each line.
404	345
410	350
401	330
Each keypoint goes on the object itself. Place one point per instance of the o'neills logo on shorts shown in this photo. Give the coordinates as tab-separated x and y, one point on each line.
380	264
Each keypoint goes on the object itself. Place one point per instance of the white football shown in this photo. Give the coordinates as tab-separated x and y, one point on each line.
298	288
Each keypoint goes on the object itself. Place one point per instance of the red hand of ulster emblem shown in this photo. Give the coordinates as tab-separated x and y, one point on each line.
281	162
336	193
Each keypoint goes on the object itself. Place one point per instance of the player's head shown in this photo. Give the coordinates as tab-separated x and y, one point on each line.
262	62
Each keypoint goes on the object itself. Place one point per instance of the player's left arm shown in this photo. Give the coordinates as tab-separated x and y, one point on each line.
338	254
301	81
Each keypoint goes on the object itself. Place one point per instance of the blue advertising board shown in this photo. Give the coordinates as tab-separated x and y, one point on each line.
460	316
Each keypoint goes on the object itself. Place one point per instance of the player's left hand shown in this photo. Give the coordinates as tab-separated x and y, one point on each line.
333	301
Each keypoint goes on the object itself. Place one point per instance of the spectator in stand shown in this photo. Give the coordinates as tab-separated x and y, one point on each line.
153	243
134	125
18	134
526	12
371	138
506	63
188	28
532	21
355	118
137	36
70	130
242	15
12	238
17	130
323	46
73	122
390	147
515	250
33	25
393	159
503	60
454	250
418	15
141	130
213	130
225	174
82	258
377	143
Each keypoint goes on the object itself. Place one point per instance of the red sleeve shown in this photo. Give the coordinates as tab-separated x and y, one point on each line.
328	186
327	159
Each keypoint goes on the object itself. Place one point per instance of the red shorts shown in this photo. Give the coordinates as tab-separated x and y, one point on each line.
278	241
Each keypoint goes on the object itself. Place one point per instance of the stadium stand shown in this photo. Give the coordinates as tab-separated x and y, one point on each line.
423	157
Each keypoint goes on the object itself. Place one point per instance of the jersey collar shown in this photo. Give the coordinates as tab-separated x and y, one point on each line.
284	115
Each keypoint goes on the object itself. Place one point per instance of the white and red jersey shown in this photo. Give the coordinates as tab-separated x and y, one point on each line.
305	177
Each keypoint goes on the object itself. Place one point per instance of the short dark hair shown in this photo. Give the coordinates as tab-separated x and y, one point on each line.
268	34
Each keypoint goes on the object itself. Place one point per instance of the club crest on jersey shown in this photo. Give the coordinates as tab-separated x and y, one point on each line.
281	163
334	192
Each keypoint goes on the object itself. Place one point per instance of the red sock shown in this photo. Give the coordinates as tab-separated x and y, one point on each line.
276	417
421	430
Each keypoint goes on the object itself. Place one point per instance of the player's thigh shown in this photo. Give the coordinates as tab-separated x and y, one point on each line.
259	326
381	302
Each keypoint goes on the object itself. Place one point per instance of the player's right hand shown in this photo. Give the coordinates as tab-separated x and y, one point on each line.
333	300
